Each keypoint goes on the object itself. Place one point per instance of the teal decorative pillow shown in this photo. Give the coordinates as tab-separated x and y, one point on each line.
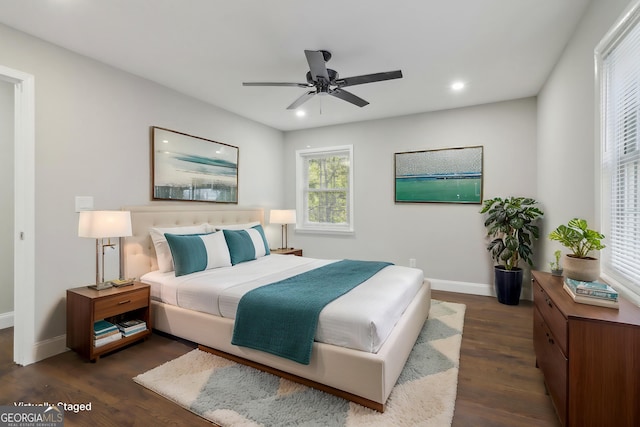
246	245
198	252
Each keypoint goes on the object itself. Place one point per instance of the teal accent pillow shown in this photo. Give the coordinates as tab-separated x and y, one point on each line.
198	252
258	227
246	245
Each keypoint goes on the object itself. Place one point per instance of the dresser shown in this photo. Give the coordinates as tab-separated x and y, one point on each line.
589	355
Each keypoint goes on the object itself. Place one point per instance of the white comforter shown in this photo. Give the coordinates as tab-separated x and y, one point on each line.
361	319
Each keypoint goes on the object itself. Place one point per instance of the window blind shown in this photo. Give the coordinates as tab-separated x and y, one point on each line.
620	90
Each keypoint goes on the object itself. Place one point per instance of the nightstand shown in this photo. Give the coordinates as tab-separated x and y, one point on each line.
85	306
287	251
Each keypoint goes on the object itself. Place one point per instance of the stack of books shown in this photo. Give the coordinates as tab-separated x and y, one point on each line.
130	327
105	332
593	293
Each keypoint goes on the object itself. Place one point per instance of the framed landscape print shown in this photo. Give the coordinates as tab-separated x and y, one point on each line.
450	175
186	167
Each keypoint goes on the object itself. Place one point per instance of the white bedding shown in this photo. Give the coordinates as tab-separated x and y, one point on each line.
361	319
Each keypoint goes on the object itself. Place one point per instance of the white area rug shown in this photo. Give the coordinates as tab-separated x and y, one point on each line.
230	394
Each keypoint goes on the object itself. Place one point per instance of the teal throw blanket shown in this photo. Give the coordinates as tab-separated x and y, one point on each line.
281	318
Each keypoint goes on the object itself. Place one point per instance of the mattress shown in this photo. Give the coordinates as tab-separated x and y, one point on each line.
361	319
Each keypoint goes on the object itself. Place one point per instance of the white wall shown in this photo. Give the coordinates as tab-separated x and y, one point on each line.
92	139
6	196
567	141
447	240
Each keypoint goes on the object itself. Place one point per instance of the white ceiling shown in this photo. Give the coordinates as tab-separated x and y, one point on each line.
502	49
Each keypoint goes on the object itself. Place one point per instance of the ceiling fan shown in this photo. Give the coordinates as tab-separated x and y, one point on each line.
326	81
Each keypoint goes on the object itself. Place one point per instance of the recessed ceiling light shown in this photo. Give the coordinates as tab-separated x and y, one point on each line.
301	113
457	85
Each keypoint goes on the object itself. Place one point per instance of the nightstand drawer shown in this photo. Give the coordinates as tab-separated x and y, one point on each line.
555	320
121	303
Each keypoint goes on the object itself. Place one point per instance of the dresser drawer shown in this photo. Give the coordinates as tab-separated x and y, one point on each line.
121	303
554	319
552	362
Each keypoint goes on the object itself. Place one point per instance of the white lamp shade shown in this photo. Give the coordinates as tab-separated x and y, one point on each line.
283	216
103	224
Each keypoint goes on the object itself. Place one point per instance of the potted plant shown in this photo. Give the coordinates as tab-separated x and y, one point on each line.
556	268
577	237
510	222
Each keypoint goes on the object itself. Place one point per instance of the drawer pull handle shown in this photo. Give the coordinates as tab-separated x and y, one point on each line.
124	302
549	303
549	339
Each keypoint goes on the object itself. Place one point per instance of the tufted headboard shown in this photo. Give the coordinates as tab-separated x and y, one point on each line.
137	254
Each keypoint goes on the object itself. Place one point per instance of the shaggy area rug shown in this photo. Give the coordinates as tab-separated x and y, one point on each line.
230	394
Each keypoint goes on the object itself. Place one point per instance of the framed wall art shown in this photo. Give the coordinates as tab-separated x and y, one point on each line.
186	167
449	175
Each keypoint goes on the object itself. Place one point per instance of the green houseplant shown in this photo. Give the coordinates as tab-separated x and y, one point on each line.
581	241
511	224
556	268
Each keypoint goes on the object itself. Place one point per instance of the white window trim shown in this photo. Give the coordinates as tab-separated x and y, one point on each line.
629	18
304	227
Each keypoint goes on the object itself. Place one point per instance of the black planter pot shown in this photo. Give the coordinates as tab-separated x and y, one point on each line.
508	285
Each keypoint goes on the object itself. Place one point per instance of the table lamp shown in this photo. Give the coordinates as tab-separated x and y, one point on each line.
102	225
284	217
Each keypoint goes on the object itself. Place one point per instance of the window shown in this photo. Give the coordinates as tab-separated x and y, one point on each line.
325	189
618	57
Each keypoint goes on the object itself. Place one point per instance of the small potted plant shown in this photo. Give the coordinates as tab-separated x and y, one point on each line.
511	223
577	237
556	269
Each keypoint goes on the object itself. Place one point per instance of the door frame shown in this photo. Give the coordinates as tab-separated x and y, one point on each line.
24	215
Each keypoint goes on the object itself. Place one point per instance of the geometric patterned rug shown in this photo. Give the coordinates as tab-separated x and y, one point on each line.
230	394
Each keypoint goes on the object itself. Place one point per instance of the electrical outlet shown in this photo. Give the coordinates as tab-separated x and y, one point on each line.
412	262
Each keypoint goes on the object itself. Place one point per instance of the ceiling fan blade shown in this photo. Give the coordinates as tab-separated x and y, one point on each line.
277	84
369	78
348	96
304	98
318	68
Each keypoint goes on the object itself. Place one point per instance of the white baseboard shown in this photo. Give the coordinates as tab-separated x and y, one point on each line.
462	287
6	320
50	347
474	288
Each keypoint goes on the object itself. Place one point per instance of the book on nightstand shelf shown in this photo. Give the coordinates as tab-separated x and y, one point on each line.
98	342
592	289
106	334
130	327
583	299
102	326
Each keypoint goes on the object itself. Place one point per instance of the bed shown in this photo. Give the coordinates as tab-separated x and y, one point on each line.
364	377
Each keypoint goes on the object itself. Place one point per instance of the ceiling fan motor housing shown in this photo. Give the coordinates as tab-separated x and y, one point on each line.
321	85
322	79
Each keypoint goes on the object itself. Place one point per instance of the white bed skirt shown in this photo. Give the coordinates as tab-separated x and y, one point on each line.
370	376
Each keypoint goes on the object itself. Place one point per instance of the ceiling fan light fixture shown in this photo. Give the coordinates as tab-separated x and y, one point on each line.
457	86
326	81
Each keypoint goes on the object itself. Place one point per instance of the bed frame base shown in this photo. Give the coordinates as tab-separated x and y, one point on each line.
361	377
297	379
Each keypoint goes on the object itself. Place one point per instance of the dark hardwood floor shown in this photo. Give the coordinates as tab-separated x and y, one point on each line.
498	382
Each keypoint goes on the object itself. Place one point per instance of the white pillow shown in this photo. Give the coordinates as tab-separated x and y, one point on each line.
235	226
163	253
